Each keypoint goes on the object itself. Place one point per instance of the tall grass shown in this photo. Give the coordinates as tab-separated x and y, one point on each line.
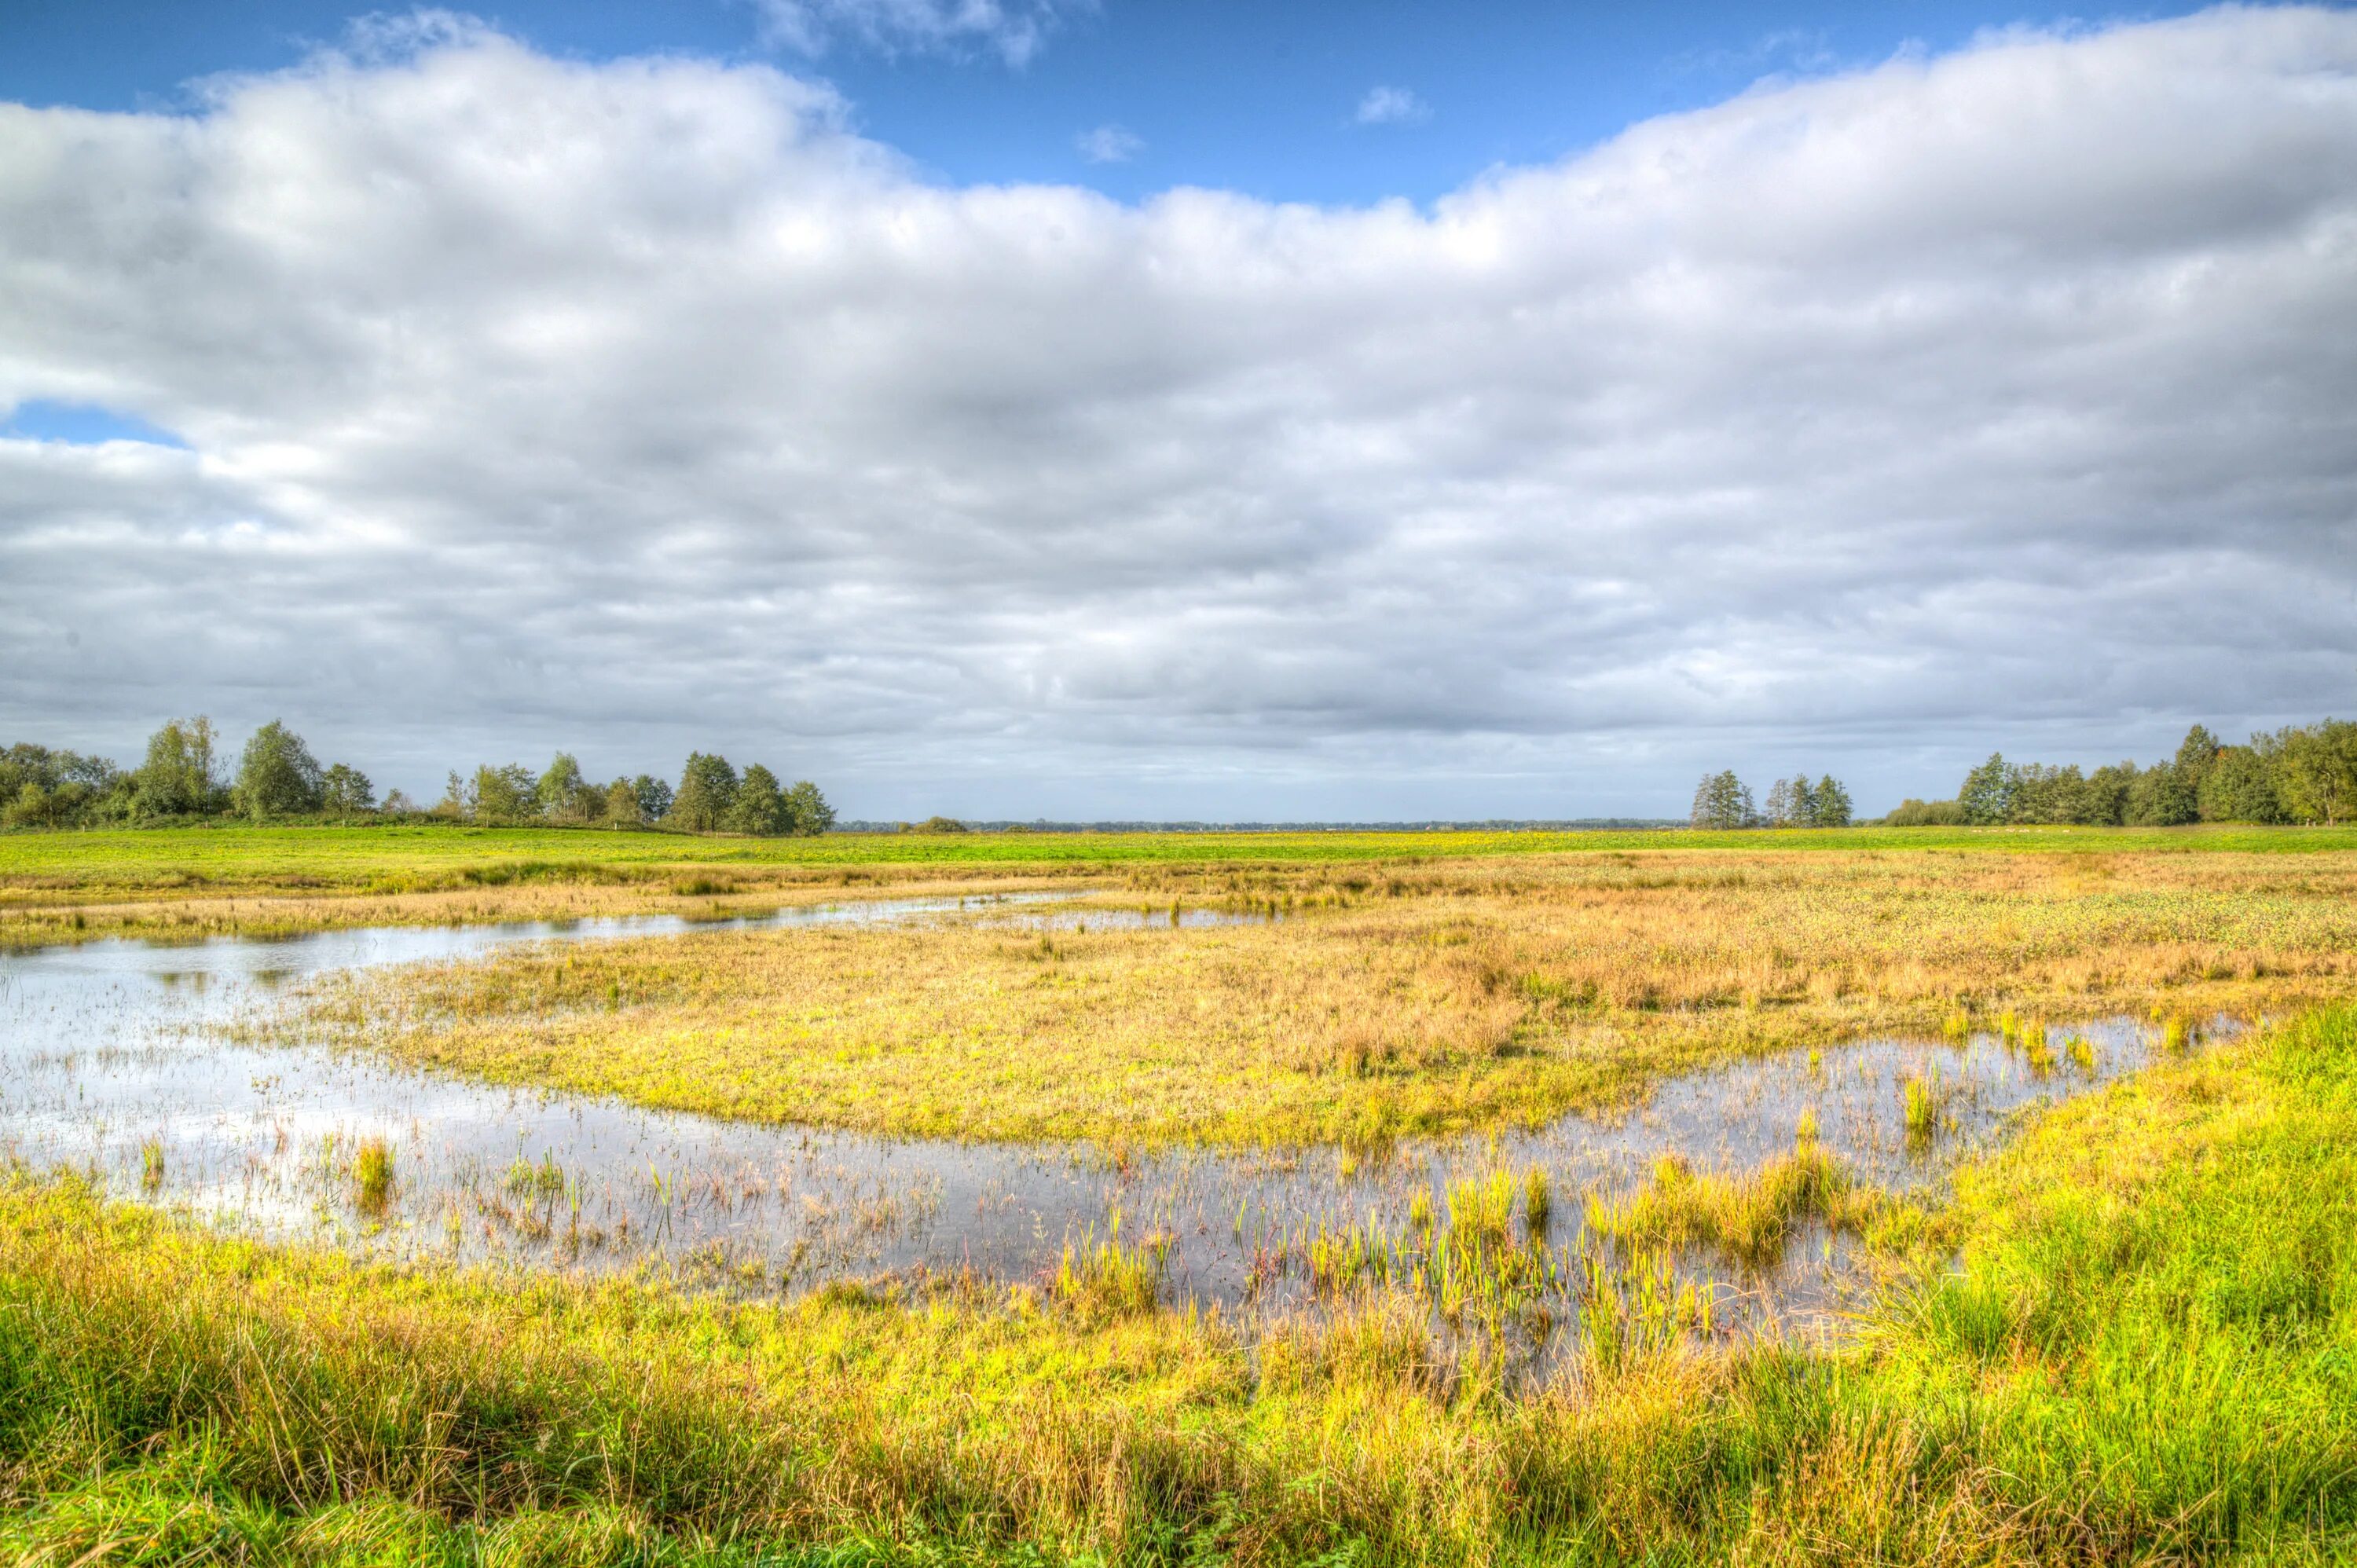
2141	1351
1439	998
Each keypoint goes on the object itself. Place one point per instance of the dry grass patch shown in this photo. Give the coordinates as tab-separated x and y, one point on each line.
1424	1000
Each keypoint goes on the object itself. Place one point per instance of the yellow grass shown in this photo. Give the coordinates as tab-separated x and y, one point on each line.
1414	1000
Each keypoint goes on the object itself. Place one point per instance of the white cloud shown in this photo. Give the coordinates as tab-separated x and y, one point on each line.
1391	106
1015	30
1108	145
2003	397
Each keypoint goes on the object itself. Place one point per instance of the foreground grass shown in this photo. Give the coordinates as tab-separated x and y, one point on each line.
1424	1000
183	882
2147	1353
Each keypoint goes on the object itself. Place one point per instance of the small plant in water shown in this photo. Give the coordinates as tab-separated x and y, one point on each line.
1538	1203
151	1164
1807	1133
1922	1109
2081	1052
372	1173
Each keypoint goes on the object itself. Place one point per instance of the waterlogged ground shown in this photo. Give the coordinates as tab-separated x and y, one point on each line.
122	1059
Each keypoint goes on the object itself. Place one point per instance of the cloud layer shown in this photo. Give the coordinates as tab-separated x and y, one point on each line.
2010	394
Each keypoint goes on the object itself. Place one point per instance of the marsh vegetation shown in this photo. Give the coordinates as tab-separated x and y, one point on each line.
1688	1206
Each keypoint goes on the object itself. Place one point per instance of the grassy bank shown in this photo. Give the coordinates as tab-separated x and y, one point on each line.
191	881
1421	1000
2148	1352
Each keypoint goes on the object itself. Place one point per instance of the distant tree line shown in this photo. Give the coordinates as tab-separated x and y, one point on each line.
2306	774
277	778
1722	800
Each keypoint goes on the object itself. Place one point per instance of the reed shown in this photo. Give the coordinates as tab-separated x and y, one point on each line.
372	1175
222	1400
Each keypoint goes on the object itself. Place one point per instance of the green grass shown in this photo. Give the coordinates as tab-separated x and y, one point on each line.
187	882
2147	1352
240	856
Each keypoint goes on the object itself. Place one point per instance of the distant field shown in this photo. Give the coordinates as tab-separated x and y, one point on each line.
184	882
229	857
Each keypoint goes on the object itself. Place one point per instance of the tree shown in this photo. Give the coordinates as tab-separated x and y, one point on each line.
502	794
40	788
2107	792
2315	770
1988	794
1830	807
1787	806
654	798
561	794
177	780
1722	800
277	775
32	806
622	803
2162	796
707	788
1914	813
453	802
807	810
2239	787
2195	754
346	790
759	806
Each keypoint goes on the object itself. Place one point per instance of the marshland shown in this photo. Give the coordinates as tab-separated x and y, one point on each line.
1971	1196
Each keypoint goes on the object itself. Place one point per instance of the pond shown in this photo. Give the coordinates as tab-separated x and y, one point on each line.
116	1058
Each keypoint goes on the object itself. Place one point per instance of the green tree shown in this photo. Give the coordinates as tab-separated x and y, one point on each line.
177	779
2239	787
622	803
31	807
346	790
1830	807
277	775
759	806
1914	813
1722	800
502	794
654	797
1987	793
561	794
2195	754
1791	803
707	788
807	810
2108	788
2315	770
2162	796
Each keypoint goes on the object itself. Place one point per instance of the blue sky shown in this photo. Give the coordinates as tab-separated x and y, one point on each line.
1262	98
1016	408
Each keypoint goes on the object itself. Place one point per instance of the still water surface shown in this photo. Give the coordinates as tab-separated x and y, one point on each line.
114	1053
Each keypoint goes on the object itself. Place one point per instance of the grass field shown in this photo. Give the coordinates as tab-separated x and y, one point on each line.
2147	1353
2127	1335
192	881
1421	998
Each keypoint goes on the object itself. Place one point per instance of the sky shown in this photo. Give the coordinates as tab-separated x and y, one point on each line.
1214	411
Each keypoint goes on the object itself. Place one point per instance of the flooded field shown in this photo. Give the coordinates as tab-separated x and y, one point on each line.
123	1059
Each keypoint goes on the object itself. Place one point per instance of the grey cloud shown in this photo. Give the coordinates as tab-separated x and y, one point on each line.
639	405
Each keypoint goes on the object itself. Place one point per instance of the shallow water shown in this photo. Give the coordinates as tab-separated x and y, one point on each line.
113	1060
